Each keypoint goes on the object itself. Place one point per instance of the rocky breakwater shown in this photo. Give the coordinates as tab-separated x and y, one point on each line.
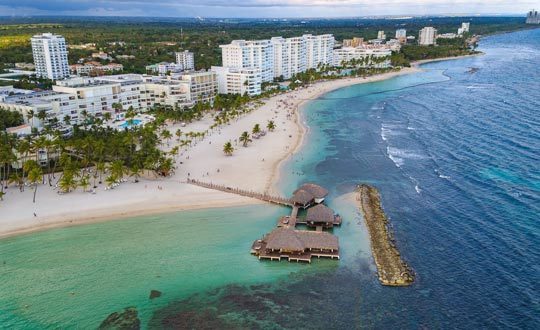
392	270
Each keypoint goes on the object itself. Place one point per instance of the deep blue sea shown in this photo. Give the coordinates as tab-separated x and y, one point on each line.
455	153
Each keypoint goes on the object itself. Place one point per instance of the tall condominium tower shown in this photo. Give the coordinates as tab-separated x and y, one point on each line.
50	56
242	54
533	17
289	56
427	36
186	59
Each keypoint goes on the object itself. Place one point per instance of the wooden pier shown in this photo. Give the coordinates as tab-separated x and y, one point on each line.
242	192
286	242
392	270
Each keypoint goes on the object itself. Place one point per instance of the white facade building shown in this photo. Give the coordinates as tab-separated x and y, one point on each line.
365	57
289	56
427	36
238	81
381	35
279	56
96	96
164	68
401	33
319	49
241	54
465	28
50	56
186	59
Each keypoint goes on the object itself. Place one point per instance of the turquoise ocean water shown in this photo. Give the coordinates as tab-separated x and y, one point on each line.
455	154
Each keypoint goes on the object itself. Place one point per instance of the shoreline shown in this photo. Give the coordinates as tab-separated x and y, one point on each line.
182	196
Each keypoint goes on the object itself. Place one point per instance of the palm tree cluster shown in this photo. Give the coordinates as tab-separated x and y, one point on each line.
84	159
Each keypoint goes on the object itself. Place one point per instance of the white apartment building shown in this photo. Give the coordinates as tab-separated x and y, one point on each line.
186	59
240	54
381	35
96	96
203	85
289	56
238	81
50	56
465	28
319	49
427	36
164	68
401	33
346	54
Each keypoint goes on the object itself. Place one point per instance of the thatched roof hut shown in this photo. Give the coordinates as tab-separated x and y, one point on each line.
290	240
284	239
320	215
316	191
318	240
302	198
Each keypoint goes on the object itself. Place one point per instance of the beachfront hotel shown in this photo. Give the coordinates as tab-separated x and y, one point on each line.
367	57
289	56
242	54
279	57
238	81
50	56
71	98
427	36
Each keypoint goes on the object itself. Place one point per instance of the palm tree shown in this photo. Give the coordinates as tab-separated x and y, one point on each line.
256	129
135	171
35	176
117	169
30	116
84	182
228	148
107	116
166	135
271	125
67	182
110	180
245	138
178	134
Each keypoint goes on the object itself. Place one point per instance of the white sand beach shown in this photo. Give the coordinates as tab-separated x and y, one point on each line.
255	167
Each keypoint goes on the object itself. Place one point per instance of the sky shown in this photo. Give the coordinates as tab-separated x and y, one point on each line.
262	8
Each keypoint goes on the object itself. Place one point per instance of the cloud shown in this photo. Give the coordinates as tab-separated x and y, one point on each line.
259	8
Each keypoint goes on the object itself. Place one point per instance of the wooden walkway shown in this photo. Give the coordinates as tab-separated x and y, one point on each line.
246	193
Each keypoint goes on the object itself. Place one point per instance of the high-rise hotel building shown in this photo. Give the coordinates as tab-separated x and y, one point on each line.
427	36
242	54
50	56
279	56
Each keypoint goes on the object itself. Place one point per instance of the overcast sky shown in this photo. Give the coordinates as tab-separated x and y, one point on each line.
262	8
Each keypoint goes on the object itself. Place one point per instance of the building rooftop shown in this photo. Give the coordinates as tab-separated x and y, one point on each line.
320	214
288	239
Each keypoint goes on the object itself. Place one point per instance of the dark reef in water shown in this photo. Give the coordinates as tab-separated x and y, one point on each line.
326	300
127	320
154	294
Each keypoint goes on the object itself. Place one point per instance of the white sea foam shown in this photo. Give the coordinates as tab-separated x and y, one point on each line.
417	188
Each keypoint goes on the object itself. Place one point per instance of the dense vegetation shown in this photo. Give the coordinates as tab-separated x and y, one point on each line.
154	40
10	118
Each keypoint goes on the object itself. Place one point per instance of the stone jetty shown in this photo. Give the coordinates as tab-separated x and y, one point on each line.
392	270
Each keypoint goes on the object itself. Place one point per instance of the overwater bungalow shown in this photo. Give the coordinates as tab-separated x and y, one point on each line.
321	216
296	245
309	194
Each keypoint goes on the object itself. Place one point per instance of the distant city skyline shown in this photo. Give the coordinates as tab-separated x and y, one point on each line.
264	8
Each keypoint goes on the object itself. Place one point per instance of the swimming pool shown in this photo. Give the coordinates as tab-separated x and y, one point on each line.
130	123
